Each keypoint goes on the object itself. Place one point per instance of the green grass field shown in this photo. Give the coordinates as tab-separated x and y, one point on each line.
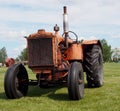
106	98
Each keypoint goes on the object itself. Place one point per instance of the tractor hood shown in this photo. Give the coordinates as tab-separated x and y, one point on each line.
41	34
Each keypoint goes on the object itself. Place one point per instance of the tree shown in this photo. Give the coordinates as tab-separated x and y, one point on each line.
106	51
23	55
3	55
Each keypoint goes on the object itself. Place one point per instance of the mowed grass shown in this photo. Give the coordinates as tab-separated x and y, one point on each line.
106	98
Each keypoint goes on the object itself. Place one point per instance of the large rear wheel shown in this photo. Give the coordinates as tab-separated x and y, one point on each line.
16	81
76	81
94	65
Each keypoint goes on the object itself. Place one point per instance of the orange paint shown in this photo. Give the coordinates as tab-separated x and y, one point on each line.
74	52
87	42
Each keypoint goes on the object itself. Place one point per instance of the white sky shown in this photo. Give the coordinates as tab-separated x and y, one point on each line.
89	19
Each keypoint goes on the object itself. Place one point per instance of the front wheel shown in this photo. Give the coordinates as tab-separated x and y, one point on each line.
16	81
76	81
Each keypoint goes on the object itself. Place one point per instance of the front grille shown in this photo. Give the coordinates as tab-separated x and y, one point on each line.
40	52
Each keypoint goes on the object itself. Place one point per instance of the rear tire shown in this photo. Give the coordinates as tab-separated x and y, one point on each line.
94	65
16	81
76	81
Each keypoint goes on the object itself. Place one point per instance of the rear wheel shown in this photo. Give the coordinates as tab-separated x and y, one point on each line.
94	65
16	81
76	81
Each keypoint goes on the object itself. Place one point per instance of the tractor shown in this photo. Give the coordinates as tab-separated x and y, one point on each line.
57	59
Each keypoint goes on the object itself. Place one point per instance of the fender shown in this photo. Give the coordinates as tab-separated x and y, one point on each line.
74	52
92	42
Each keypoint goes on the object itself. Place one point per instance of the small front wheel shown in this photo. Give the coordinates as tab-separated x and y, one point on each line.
16	81
76	81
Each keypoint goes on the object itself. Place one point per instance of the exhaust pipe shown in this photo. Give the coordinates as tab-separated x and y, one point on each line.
65	20
65	25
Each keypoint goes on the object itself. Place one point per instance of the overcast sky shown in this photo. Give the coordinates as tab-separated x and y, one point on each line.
89	19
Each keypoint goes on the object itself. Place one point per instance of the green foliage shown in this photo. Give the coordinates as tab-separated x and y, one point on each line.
106	51
23	55
106	98
3	55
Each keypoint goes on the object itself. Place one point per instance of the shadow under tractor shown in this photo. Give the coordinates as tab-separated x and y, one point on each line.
56	60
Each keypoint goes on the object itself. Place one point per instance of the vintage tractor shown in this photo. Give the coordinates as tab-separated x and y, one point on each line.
57	60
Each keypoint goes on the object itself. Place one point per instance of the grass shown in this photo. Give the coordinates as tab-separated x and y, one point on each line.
106	98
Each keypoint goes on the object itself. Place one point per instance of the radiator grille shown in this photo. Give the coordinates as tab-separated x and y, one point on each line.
40	52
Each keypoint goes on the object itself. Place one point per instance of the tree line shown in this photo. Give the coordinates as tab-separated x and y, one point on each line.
109	54
3	55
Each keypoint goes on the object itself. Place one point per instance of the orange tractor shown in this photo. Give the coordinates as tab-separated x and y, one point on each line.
57	60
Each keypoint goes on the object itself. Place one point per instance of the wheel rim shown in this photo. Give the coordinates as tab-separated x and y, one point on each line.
21	81
16	83
80	83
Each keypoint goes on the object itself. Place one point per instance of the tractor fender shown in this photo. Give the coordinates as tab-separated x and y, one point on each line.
74	52
92	42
